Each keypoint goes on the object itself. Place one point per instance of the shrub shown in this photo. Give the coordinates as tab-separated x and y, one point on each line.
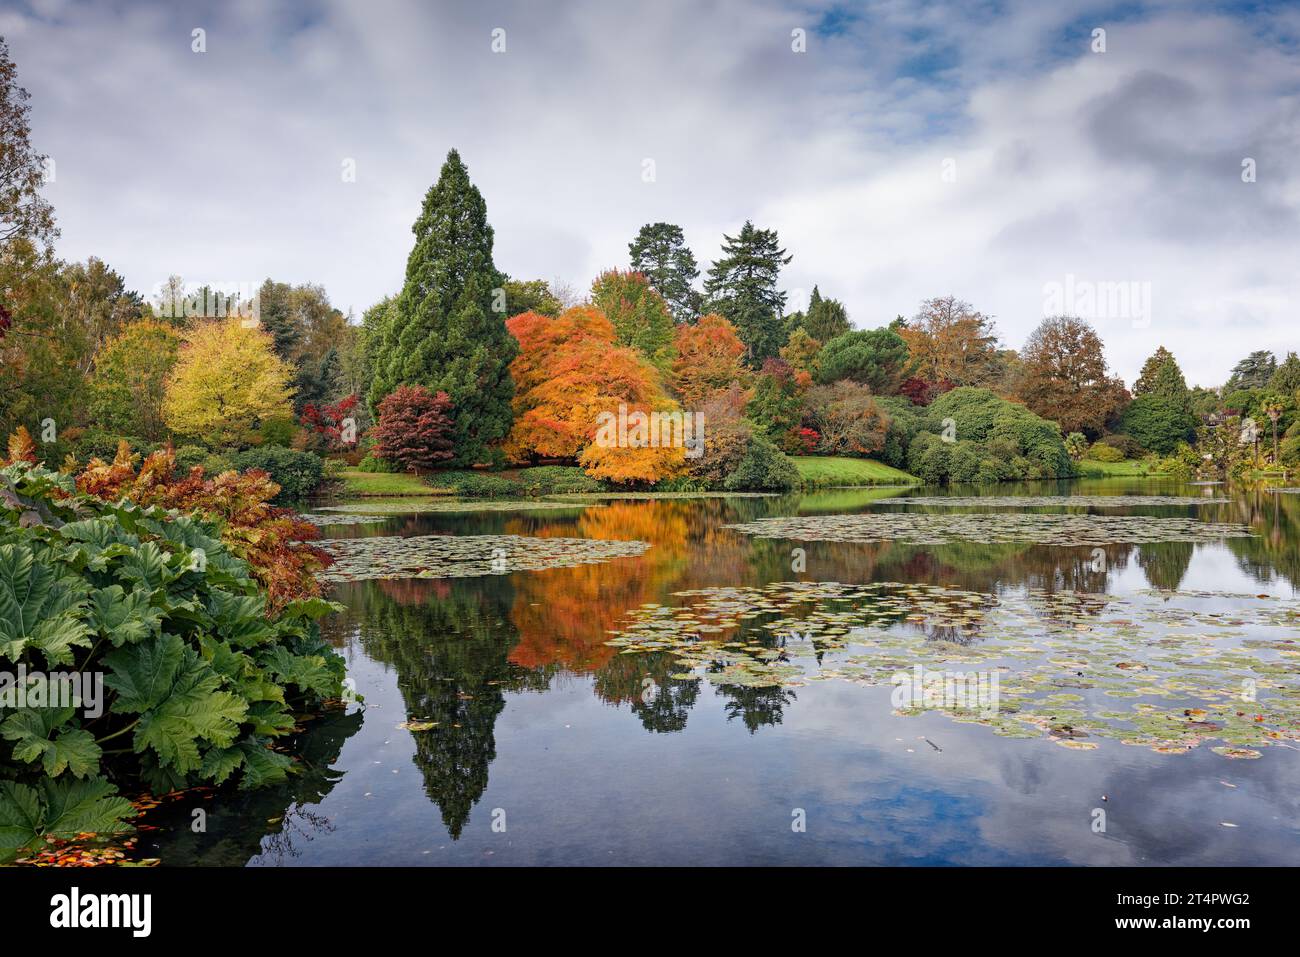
557	480
875	358
371	464
480	485
1011	441
297	473
1104	452
848	418
764	467
415	430
904	422
199	679
1129	447
275	543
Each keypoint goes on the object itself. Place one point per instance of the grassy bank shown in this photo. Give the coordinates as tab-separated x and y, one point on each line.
384	483
1128	468
825	470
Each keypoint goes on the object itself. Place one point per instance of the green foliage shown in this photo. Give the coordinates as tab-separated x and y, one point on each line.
1010	442
1157	422
199	679
372	464
742	288
660	253
877	358
1102	452
536	481
442	332
764	467
1076	444
297	473
904	423
533	295
1253	372
639	314
825	319
278	430
188	456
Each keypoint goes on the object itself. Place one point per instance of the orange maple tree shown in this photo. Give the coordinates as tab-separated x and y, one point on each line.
568	372
708	360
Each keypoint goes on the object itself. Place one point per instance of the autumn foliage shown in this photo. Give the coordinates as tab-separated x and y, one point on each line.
327	421
275	543
415	430
709	359
568	372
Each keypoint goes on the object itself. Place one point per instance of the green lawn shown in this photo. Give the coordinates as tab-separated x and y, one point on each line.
1129	468
384	483
826	470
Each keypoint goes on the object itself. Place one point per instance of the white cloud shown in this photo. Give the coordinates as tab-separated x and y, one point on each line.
1105	167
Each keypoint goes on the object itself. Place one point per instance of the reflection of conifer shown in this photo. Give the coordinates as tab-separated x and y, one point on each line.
1165	563
451	655
756	707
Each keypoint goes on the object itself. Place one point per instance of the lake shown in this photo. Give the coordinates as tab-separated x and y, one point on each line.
757	720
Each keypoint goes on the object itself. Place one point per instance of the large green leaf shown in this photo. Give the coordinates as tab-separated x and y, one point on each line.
59	809
123	618
38	608
194	710
44	734
143	674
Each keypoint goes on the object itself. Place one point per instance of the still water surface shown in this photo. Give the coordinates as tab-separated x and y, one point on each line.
581	755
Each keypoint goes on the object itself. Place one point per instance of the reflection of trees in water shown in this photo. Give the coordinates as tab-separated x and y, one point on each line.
238	823
1275	519
451	652
756	707
643	681
1165	563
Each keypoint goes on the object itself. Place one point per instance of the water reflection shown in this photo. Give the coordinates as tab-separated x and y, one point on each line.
462	650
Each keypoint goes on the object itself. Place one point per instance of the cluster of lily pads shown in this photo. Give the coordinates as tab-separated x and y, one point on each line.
920	528
452	505
326	519
1039	501
463	556
1148	670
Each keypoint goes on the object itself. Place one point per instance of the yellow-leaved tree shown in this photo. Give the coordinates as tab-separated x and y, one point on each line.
228	379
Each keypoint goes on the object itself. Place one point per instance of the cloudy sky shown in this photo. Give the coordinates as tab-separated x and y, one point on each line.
991	150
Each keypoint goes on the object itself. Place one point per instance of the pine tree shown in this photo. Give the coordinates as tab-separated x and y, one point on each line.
660	252
1286	380
442	332
742	288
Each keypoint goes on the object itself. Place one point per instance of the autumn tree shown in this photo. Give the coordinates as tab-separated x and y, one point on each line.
709	356
742	287
847	417
660	253
950	341
24	212
639	314
414	431
227	380
442	332
801	352
1064	377
130	379
570	375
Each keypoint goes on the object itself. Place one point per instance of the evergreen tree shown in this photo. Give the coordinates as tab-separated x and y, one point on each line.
275	313
442	332
1286	380
1162	378
825	318
1252	372
660	252
742	289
